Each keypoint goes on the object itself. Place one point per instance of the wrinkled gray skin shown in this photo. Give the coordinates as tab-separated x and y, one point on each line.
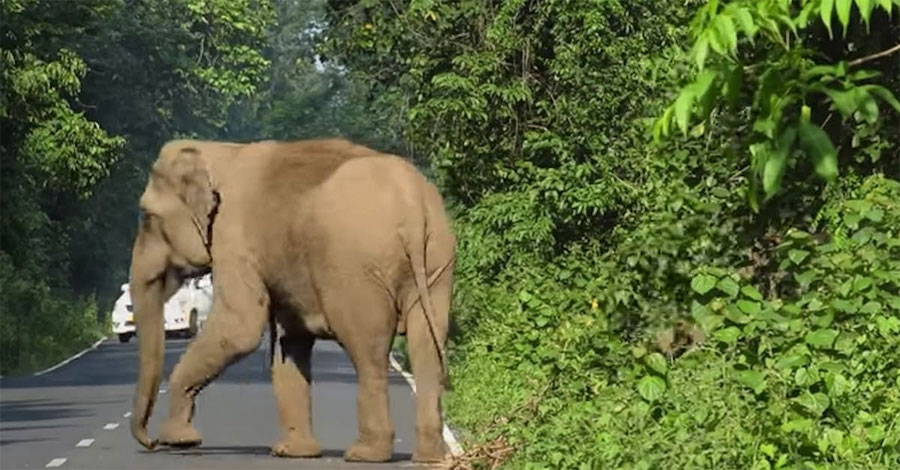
321	238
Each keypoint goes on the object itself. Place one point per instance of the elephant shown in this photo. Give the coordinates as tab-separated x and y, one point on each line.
321	238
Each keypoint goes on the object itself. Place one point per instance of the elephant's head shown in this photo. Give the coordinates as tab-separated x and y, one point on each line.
173	242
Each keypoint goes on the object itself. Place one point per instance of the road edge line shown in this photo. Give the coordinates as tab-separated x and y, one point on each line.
82	353
454	445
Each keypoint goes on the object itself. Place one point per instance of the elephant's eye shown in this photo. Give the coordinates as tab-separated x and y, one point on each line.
144	216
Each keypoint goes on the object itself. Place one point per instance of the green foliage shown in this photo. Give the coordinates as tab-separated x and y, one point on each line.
617	305
58	145
797	371
768	65
38	326
583	244
90	93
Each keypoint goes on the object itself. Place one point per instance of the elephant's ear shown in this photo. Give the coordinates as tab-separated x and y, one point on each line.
197	190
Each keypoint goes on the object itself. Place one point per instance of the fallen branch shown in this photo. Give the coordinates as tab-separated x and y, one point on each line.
491	455
874	56
495	452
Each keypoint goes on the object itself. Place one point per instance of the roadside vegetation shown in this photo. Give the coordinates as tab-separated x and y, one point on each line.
678	220
90	91
678	223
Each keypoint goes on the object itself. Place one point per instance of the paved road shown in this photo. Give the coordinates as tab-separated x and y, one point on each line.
43	419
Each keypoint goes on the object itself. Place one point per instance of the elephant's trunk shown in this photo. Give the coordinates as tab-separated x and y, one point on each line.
149	276
148	306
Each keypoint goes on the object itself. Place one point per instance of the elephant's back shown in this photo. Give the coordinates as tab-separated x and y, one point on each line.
367	195
288	170
356	215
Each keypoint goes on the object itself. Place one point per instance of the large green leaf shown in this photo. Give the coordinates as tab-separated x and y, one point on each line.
728	335
815	403
884	94
826	9
703	90
703	283
777	161
701	51
754	380
865	10
683	106
727	32
844	101
657	363
651	388
752	292
822	339
843	13
749	307
745	20
818	147
728	286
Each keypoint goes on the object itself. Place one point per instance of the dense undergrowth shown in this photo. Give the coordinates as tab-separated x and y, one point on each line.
798	370
724	298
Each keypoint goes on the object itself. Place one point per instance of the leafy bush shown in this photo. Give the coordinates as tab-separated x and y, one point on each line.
40	327
801	375
89	96
794	87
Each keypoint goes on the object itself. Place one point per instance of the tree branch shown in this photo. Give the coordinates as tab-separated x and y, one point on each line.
874	56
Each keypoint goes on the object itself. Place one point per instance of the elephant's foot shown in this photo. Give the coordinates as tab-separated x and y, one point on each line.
295	446
370	451
430	450
179	434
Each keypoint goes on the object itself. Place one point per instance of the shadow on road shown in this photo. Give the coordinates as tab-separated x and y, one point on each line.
37	410
260	451
6	442
117	364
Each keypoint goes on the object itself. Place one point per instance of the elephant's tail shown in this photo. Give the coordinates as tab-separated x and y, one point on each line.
415	244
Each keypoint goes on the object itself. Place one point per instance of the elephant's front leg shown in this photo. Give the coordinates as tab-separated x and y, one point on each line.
291	378
234	329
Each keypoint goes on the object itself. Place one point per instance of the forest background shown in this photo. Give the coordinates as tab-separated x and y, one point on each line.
678	220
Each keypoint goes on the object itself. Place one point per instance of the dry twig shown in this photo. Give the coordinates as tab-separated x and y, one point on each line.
489	455
874	56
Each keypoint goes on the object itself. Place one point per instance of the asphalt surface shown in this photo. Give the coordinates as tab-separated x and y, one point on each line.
79	413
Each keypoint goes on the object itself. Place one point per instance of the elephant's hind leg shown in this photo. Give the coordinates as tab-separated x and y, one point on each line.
426	367
291	378
364	320
234	329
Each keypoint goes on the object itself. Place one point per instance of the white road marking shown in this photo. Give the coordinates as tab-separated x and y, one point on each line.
84	443
455	448
110	426
82	353
163	391
127	415
55	463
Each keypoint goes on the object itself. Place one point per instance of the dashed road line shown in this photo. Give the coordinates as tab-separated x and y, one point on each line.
127	415
110	426
55	463
448	436
84	443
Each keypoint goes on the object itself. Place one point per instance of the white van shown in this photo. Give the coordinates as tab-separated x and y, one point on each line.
185	312
195	298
